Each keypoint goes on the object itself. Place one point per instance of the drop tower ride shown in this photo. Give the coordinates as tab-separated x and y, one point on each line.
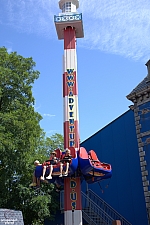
69	27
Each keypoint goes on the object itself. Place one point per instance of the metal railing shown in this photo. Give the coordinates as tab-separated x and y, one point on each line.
95	210
90	212
107	208
87	218
97	215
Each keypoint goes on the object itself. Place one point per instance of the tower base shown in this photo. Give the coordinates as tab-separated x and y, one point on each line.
72	198
73	217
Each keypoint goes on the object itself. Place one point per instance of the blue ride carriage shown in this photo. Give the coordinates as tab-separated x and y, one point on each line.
91	168
84	164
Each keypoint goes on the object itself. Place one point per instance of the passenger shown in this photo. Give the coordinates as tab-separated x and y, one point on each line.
49	163
66	159
35	181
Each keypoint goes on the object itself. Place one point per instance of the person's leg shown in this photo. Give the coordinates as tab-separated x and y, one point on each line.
33	184
67	167
61	169
50	172
44	170
38	182
34	178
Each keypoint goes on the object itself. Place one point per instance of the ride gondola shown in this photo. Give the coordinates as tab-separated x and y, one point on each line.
56	168
92	169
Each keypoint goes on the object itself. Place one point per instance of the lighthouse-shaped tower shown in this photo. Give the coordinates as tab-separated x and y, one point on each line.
69	27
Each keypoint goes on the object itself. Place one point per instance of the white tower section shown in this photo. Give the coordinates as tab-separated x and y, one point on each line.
68	6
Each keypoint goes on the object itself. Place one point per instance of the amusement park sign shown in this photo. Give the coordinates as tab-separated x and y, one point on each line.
71	106
65	18
72	199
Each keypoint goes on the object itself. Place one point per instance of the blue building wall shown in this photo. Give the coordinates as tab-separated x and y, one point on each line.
117	144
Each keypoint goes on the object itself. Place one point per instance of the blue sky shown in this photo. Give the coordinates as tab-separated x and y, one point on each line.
111	56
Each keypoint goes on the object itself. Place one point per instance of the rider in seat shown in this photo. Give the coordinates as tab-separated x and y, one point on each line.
49	163
35	181
66	159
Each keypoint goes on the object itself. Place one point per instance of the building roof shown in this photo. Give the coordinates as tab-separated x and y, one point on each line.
143	86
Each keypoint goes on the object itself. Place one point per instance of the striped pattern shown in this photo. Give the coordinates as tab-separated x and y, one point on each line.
72	206
70	91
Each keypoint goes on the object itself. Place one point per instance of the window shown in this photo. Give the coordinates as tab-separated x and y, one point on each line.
63	8
66	7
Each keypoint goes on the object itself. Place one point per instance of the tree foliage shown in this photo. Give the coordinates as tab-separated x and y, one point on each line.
21	139
48	144
36	204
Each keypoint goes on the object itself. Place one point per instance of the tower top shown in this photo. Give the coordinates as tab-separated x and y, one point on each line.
69	17
68	6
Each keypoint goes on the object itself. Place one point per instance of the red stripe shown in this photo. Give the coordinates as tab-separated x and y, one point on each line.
69	85
71	134
72	193
69	38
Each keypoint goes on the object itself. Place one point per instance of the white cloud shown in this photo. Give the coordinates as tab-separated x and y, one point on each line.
49	115
31	16
119	26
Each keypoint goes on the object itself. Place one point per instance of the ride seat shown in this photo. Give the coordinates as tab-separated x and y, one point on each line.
59	156
94	159
58	153
93	155
83	153
72	152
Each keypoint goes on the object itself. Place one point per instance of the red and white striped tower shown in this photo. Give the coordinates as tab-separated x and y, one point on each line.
70	92
69	27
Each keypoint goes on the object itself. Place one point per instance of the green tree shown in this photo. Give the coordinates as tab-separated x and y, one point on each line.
47	145
43	203
36	204
19	123
22	141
